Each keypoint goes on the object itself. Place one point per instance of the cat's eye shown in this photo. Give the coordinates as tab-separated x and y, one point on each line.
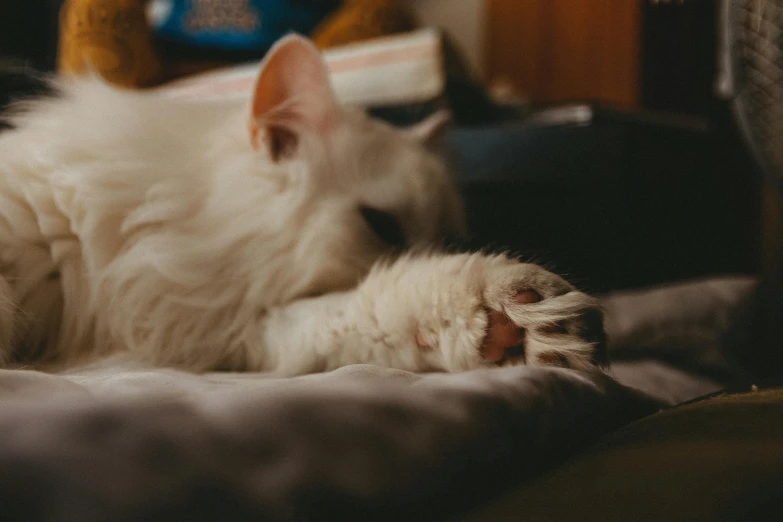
384	225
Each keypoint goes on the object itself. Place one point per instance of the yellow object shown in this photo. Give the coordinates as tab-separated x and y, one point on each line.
112	37
109	37
359	20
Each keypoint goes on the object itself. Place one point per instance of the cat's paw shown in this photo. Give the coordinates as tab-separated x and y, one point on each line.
466	311
527	315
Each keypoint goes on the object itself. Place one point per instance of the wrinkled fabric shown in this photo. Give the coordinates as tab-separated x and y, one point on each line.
359	443
122	442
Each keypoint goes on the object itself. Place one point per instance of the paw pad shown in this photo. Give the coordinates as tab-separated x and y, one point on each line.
505	339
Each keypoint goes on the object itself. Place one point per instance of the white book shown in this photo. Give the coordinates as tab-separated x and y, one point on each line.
393	70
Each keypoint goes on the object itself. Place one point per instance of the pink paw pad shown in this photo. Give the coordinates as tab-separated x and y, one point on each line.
504	338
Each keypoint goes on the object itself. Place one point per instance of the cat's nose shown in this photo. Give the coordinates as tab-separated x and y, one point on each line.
504	339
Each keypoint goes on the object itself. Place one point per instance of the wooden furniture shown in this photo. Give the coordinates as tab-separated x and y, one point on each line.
555	50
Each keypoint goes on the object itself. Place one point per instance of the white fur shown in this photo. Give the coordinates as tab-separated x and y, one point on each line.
134	223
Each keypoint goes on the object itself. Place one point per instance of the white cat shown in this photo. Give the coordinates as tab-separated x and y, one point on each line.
217	236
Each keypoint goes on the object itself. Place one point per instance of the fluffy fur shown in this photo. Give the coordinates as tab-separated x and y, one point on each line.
130	222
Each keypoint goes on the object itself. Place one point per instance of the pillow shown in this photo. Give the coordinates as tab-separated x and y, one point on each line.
680	341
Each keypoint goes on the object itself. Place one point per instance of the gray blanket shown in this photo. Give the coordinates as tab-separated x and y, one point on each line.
361	443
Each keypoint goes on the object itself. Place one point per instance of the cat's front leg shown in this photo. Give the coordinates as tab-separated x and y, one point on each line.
474	310
444	312
326	332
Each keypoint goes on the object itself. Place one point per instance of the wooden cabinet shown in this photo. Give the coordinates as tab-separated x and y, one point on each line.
565	49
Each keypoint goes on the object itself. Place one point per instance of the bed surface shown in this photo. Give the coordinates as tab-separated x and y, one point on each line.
118	442
355	444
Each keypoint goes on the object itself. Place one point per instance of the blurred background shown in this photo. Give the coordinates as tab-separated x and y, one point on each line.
652	53
589	135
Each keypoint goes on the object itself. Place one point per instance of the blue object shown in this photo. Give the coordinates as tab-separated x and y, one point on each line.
235	24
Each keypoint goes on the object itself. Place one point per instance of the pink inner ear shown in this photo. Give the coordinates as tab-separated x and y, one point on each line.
282	142
292	91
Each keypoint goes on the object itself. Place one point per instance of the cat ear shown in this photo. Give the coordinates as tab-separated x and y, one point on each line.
292	92
431	129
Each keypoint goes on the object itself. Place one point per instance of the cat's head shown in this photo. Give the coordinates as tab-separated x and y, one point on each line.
371	189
